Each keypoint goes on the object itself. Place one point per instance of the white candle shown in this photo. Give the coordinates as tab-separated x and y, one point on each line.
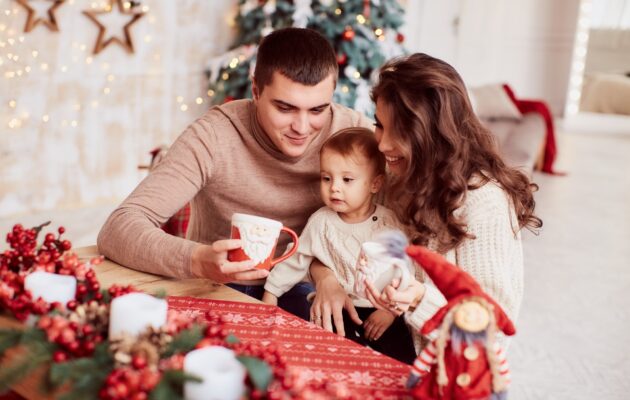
134	312
51	287
223	375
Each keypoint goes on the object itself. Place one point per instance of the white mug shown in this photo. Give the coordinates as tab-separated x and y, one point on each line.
259	237
377	266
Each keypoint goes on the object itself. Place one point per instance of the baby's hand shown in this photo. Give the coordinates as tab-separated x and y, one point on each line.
269	298
377	323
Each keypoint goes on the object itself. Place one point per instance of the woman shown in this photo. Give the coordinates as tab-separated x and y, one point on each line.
449	187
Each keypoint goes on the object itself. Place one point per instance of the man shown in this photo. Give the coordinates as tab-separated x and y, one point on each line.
257	156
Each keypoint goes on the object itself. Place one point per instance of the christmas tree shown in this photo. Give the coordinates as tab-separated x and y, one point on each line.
363	33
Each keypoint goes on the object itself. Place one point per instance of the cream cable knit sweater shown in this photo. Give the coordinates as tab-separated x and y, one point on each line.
494	258
333	242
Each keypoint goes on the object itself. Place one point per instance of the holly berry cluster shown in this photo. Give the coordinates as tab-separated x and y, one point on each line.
24	252
129	382
82	326
24	256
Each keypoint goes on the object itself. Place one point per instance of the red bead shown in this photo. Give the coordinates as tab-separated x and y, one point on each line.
59	356
72	305
49	237
89	347
138	362
61	230
122	390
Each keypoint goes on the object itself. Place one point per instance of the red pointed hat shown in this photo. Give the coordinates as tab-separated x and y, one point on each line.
456	285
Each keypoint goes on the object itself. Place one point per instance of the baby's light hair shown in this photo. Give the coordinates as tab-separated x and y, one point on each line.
357	141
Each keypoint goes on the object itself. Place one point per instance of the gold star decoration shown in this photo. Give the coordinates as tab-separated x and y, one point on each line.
32	20
124	8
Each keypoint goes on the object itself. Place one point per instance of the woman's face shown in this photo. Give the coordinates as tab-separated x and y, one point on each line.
387	143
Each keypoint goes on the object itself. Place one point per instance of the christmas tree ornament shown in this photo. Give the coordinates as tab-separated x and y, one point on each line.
303	12
102	41
400	37
464	360
348	34
342	58
32	20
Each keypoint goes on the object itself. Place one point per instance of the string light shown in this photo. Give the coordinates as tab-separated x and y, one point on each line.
199	100
361	19
338	11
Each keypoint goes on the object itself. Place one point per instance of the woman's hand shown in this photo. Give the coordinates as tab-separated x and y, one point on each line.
210	261
330	300
393	300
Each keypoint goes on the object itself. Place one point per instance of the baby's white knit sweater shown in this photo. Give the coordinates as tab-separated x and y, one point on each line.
494	258
335	243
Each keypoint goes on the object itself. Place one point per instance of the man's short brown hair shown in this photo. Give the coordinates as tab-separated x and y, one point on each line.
302	55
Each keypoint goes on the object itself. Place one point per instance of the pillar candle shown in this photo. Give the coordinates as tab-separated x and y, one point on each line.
134	312
51	287
223	375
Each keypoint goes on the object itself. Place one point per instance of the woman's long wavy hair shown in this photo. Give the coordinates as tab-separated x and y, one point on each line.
448	151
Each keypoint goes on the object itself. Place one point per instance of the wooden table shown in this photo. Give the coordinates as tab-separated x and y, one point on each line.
109	273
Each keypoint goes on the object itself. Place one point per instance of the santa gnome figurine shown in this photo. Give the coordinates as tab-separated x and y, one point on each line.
463	361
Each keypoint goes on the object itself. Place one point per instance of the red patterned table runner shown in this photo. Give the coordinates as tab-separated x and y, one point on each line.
317	354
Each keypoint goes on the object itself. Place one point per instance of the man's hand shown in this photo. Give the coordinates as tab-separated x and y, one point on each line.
269	298
330	300
377	323
210	261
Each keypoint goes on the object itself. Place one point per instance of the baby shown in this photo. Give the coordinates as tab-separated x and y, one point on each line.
352	173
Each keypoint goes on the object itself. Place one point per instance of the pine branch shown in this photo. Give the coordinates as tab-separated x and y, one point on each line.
171	386
9	338
85	375
35	355
259	371
185	341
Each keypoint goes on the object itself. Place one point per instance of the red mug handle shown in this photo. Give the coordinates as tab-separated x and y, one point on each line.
294	238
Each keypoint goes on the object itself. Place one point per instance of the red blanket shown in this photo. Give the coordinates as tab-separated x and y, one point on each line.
313	352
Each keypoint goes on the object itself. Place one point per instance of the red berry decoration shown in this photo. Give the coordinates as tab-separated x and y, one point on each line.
400	38
342	58
348	34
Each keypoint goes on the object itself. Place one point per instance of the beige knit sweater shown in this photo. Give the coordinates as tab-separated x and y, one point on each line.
336	244
222	163
494	258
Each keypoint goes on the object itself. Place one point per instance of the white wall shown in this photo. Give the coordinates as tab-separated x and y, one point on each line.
74	126
526	43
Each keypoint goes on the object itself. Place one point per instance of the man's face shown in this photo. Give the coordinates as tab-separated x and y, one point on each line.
292	114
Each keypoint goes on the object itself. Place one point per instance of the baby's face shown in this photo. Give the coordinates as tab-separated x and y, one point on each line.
347	184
